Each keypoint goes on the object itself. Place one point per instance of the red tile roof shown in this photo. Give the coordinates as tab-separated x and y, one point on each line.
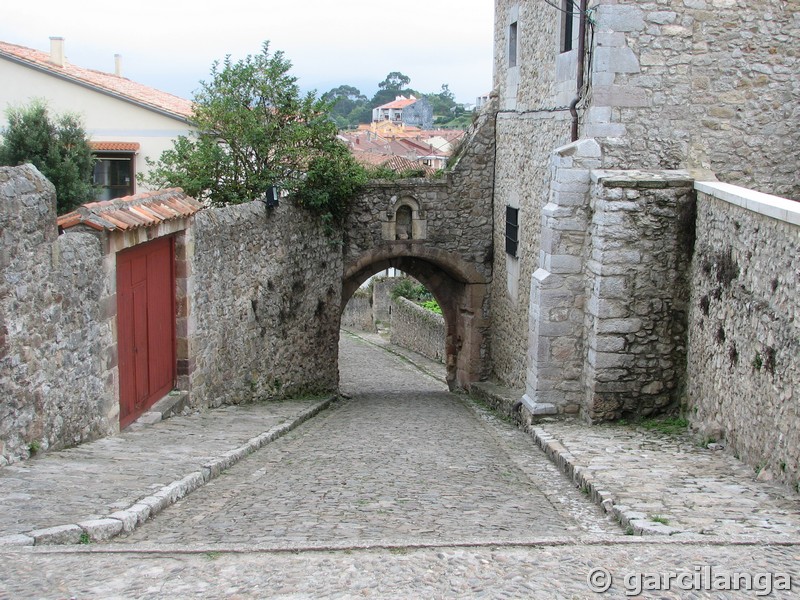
399	103
108	83
115	146
142	210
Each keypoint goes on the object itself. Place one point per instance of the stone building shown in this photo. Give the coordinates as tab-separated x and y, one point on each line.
605	283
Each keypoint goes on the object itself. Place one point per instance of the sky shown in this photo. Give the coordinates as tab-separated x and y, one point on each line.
171	44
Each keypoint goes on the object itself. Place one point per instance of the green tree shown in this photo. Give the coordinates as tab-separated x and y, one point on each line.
348	105
58	146
254	131
395	84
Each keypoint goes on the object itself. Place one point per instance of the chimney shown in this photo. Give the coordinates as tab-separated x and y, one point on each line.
118	65
57	51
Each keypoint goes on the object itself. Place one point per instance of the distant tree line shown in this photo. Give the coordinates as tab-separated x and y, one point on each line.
350	107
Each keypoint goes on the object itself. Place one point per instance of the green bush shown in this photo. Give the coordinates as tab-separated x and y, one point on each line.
57	146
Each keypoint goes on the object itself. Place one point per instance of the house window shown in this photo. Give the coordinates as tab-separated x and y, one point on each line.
113	175
512	230
567	23
512	44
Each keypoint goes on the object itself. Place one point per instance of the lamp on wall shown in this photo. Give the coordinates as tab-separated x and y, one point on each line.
271	197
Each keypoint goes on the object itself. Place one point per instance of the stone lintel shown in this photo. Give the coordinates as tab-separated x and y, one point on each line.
635	178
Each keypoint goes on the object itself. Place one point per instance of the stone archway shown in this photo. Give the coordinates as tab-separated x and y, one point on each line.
460	289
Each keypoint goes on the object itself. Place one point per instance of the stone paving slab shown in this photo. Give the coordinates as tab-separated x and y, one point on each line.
658	483
102	488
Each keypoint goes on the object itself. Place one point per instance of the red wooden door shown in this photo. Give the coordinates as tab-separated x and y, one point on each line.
145	326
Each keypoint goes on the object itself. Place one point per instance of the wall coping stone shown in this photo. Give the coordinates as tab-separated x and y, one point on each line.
768	205
641	179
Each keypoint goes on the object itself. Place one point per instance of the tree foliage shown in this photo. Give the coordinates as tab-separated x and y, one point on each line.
255	131
56	145
349	106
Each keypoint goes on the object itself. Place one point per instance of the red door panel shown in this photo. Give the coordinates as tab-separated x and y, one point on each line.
145	326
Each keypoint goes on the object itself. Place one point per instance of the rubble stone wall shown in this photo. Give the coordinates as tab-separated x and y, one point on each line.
641	243
358	313
55	368
743	377
418	329
265	287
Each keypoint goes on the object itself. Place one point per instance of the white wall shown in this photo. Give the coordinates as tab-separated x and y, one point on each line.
105	118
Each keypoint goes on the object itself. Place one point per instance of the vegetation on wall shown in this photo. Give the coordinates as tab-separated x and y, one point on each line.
57	145
416	292
256	131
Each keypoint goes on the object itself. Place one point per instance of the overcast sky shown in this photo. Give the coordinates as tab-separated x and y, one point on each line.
170	44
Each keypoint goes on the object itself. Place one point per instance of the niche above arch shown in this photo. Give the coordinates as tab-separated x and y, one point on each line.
404	220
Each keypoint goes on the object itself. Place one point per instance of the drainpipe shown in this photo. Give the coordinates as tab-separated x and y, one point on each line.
573	106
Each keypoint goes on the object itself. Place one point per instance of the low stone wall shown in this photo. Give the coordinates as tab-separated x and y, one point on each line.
743	374
418	329
55	368
266	289
358	312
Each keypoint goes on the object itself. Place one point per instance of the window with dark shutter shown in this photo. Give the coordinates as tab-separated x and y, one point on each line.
512	230
567	22
512	45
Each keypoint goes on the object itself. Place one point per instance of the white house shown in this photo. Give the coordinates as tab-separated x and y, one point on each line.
126	121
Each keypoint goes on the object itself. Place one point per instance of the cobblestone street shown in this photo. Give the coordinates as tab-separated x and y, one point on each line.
401	490
402	461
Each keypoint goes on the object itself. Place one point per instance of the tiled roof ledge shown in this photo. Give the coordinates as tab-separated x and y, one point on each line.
147	209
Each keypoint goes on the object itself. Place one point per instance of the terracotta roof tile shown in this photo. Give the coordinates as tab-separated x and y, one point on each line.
399	103
105	82
115	146
142	210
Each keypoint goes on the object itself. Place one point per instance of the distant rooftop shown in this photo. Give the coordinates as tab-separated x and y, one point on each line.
56	64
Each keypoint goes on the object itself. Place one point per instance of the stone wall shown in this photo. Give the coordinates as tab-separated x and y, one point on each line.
641	242
418	329
743	378
55	368
702	84
358	313
266	288
533	119
257	313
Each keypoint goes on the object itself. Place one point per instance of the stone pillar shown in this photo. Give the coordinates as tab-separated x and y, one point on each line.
556	315
637	291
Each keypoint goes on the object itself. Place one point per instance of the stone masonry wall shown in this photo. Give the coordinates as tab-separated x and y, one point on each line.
266	286
743	379
702	84
55	370
358	312
418	329
533	119
641	242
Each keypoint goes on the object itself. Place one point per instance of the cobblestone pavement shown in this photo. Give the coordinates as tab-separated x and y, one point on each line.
652	476
547	571
97	479
403	461
389	525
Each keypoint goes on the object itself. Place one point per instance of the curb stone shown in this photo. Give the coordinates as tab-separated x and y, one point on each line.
126	520
636	522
